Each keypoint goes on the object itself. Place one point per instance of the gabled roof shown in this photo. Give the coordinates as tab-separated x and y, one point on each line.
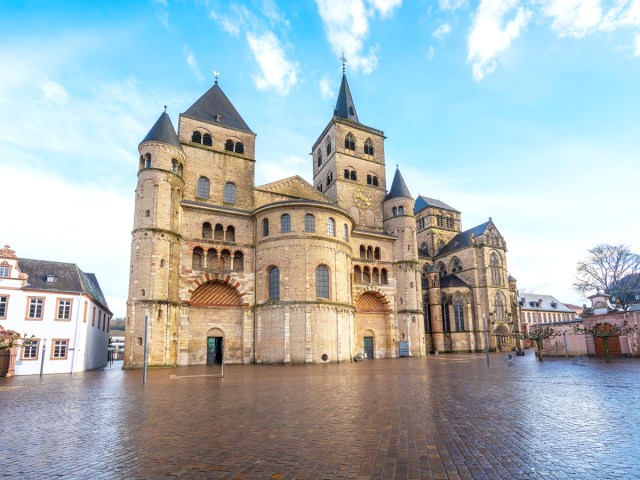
163	132
345	108
423	202
398	188
68	278
463	239
294	187
214	107
545	303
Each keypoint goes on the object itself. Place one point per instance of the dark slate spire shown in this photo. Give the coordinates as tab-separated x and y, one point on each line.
163	131
345	108
398	187
214	107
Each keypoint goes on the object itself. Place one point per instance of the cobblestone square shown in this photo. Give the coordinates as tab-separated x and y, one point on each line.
441	417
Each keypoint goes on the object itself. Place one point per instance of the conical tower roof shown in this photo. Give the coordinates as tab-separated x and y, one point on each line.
214	107
163	132
398	187
345	108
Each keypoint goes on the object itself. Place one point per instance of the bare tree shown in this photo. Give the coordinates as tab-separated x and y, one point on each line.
537	334
605	331
613	269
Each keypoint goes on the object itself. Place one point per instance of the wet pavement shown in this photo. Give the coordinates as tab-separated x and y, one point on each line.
444	417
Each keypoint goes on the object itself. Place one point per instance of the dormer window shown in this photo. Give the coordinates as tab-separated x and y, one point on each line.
554	305
218	117
51	278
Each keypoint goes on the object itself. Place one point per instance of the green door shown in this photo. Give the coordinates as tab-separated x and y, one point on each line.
368	347
214	350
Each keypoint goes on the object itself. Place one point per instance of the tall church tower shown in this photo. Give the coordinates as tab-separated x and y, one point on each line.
349	165
155	246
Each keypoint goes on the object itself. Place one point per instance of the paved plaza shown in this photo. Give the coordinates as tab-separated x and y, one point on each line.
441	417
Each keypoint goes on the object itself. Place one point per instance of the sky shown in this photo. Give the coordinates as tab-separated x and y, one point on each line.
525	111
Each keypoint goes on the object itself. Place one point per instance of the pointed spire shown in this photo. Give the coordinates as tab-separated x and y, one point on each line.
345	108
163	132
398	187
214	107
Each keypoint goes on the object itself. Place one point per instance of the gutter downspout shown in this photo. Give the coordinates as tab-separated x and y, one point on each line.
75	336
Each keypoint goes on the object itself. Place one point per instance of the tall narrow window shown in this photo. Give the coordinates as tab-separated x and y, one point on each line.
329	178
274	283
458	312
206	140
265	227
494	267
501	313
4	301
238	262
368	147
207	231
375	181
457	265
346	233
147	160
328	146
354	175
174	165
394	211
322	282
376	253
331	227
285	223
309	223
446	321
230	192
442	268
369	179
346	173
383	276
349	142
196	258
218	232
400	210
319	157
230	234
202	190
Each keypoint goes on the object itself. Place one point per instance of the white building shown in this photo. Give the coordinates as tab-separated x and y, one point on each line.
62	306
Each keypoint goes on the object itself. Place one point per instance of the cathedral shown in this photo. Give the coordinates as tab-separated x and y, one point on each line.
290	272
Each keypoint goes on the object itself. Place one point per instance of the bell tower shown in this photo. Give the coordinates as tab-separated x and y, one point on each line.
349	164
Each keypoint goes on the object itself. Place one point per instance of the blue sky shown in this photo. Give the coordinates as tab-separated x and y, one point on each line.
525	111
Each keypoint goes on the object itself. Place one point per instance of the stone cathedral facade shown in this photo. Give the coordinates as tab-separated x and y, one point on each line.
293	272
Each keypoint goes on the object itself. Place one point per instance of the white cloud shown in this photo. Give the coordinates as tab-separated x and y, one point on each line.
228	25
573	18
452	4
160	7
191	61
326	89
496	23
431	53
346	25
442	31
276	71
53	91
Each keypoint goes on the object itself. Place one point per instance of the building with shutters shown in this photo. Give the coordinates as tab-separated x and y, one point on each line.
298	272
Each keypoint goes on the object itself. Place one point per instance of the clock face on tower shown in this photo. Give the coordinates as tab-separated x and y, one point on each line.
361	199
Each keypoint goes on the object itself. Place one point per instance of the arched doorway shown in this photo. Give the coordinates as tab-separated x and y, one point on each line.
504	343
215	346
373	336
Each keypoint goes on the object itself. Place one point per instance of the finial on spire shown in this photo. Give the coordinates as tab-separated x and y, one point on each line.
216	74
344	62
165	109
396	166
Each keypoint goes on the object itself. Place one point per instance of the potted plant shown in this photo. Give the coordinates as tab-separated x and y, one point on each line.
8	340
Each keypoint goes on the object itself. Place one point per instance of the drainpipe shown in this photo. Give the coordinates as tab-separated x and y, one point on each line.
75	337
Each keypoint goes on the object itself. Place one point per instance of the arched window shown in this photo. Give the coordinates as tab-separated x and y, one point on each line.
394	211
366	277
442	269
230	192
309	223
239	147
354	175
448	222
202	190
331	227
285	223
207	231
322	281
319	157
274	283
440	244
329	178
218	232
349	142
363	252
196	258
375	181
370	252
320	186
369	179
174	165
346	233
501	312
458	311
196	137
368	147
346	173
457	265
147	160
206	140
400	210
212	258
357	274
228	145
446	321
494	267
238	262
328	146
383	277
230	234
225	259
265	227
376	253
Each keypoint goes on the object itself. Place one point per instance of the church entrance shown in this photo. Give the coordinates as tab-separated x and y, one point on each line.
214	350
368	347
